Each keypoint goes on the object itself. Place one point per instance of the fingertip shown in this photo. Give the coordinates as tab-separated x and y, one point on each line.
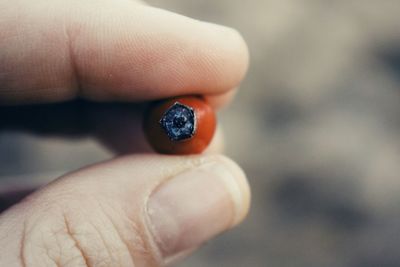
225	58
168	55
237	54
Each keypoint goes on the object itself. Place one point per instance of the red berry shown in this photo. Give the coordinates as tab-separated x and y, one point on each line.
182	125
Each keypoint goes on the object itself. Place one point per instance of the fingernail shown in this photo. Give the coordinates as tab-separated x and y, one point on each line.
196	205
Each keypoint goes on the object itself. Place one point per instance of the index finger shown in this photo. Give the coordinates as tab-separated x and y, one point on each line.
112	51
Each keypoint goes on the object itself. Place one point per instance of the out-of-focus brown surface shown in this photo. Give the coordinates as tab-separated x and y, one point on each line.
316	127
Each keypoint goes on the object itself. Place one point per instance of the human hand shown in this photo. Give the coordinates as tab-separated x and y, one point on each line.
138	210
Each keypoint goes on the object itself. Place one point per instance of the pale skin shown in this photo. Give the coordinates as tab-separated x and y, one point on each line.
136	210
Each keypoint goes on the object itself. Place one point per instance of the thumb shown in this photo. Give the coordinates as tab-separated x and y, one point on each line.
132	211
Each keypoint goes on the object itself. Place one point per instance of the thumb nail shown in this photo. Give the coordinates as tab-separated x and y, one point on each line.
196	205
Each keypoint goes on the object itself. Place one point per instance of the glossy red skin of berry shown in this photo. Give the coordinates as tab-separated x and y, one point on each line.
205	127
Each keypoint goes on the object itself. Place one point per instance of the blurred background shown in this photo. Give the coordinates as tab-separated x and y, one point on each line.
316	126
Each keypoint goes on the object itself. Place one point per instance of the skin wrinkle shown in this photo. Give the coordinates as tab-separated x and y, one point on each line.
99	234
70	261
138	233
151	228
27	230
56	262
71	235
22	250
55	259
76	84
92	31
65	232
29	226
150	247
109	218
115	231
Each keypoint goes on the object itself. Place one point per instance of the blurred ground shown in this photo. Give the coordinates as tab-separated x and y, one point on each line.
321	109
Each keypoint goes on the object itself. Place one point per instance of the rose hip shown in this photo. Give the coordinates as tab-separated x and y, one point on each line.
182	125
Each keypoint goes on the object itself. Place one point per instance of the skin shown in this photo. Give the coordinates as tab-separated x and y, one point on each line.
115	51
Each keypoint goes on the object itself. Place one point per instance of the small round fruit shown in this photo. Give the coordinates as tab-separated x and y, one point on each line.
182	125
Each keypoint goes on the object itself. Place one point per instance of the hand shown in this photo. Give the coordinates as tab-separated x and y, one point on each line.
138	210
